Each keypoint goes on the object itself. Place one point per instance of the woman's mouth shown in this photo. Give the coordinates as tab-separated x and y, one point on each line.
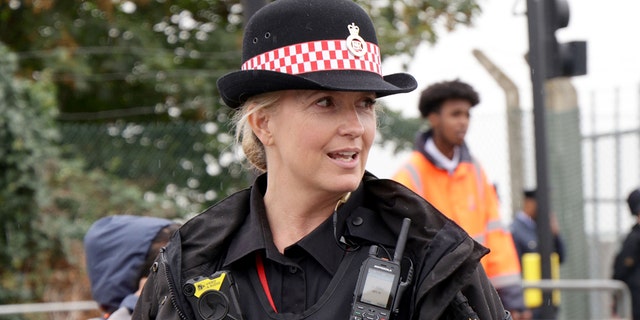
343	156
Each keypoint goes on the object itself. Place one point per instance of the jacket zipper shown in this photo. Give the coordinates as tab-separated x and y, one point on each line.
170	284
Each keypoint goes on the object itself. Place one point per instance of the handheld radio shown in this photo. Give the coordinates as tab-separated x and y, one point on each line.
379	288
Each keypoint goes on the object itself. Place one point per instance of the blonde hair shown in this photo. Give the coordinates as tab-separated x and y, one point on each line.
251	145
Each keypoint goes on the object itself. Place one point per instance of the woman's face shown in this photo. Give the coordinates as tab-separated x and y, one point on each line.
318	139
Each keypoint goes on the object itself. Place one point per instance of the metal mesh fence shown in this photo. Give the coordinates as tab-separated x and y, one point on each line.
611	151
190	161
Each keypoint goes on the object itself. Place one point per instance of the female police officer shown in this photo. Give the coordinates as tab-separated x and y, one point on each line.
292	245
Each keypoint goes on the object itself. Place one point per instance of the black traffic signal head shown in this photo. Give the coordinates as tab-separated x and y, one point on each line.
558	13
563	59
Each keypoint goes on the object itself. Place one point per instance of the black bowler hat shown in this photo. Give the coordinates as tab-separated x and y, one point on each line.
634	202
310	44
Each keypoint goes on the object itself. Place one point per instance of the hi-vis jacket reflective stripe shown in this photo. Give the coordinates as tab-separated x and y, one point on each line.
466	197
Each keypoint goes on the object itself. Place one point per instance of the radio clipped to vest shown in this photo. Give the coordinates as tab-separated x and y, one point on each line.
214	297
379	287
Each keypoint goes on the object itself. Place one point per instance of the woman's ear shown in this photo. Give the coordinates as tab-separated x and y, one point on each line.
259	122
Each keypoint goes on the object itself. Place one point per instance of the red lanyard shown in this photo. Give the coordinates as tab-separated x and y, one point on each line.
263	280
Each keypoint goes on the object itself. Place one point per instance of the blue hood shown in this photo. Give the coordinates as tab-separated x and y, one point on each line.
116	248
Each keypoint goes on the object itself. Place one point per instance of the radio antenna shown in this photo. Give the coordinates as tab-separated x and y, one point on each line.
402	240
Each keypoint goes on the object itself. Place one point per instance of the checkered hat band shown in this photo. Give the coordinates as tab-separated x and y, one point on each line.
316	56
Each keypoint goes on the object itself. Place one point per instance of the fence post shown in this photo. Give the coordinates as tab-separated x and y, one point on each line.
565	168
514	128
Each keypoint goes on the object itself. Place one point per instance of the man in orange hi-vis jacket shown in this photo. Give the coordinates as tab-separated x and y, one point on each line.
442	170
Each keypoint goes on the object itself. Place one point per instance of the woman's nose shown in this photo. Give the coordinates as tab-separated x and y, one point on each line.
351	123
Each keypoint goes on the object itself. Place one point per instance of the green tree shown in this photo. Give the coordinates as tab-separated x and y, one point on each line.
136	62
162	58
155	59
47	202
27	137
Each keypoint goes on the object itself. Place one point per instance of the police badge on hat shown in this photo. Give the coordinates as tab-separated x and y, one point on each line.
355	43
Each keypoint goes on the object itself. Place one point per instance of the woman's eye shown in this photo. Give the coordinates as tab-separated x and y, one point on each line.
368	103
324	102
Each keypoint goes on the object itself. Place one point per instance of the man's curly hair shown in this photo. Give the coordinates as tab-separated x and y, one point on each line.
436	94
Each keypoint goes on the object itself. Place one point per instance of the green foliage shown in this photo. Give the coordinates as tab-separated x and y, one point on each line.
397	131
187	161
77	197
48	201
146	60
27	135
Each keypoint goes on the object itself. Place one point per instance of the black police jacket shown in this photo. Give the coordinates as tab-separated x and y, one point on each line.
448	280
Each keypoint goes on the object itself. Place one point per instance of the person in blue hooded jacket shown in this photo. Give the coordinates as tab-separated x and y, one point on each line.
119	251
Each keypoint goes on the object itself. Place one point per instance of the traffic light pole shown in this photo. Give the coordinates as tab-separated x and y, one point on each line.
537	62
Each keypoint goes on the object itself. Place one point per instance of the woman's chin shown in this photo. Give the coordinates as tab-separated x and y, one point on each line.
347	183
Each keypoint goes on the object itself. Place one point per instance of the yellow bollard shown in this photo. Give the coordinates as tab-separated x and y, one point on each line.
532	271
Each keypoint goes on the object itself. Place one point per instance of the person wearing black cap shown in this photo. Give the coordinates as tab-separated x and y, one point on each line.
525	238
292	246
119	250
626	266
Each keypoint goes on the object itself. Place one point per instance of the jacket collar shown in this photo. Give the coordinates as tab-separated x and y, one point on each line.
203	236
421	140
254	235
451	253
